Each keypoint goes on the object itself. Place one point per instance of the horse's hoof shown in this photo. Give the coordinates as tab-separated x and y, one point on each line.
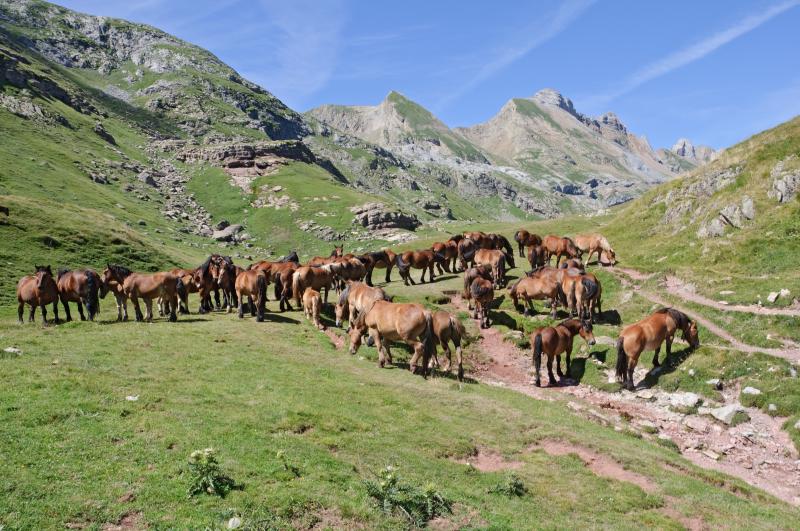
537	383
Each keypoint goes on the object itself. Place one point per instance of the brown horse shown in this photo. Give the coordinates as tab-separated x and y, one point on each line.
388	321
492	240
225	276
80	286
152	286
318	278
424	260
496	261
186	276
649	334
113	279
347	269
204	279
595	243
312	302
579	292
280	273
252	283
466	253
553	340
447	328
526	239
470	275
338	252
482	292
354	299
573	263
40	290
449	250
542	284
382	260
537	255
558	247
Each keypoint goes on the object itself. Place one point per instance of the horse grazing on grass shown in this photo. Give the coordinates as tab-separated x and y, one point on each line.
82	287
448	329
470	275
558	247
553	340
388	321
526	239
496	261
482	292
252	283
154	286
113	279
347	269
318	278
312	302
542	284
424	260
40	290
380	259
466	253
649	334
354	299
449	250
595	243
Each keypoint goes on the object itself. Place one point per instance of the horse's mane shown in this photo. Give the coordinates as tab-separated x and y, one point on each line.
119	270
344	294
62	271
205	265
680	318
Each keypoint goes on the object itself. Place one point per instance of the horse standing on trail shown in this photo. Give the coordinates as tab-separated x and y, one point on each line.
82	287
482	292
496	260
553	340
470	275
649	334
539	284
595	243
40	290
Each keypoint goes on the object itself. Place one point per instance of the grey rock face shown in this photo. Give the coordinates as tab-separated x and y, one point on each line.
785	182
375	216
100	131
227	234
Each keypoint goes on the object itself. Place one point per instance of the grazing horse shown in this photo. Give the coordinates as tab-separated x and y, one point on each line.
553	340
348	269
318	278
388	321
572	263
470	275
354	299
113	279
482	292
80	286
526	239
252	283
153	286
649	334
338	252
496	260
579	292
466	253
541	285
312	302
424	260
449	250
40	290
380	259
447	328
595	243
558	247
537	256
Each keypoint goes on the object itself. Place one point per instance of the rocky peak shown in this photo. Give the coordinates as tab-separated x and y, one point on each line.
697	154
554	98
684	148
612	121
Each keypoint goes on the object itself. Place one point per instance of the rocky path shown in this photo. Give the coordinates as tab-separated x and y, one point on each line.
790	351
757	451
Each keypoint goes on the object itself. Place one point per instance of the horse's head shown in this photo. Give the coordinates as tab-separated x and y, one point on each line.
586	332
611	256
197	278
341	308
338	251
357	330
691	334
43	273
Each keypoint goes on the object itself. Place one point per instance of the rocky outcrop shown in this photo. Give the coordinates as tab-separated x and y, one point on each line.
785	179
100	131
374	216
695	154
732	215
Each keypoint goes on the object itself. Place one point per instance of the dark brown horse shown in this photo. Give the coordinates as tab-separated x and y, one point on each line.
470	275
466	253
425	260
39	290
482	292
80	286
558	247
186	276
380	259
225	274
205	284
493	241
387	321
553	340
649	334
526	239
252	283
449	250
537	255
113	279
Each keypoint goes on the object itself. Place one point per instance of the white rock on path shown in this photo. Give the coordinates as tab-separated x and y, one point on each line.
726	413
685	400
751	391
773	296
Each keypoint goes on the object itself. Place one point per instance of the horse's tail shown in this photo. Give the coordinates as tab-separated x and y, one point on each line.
589	288
537	355
428	344
296	287
501	265
92	300
560	295
622	358
402	266
261	285
180	287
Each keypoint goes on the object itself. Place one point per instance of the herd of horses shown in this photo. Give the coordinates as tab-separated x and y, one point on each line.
483	258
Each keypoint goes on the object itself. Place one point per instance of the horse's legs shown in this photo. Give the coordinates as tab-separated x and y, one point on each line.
32	314
44	314
389	272
669	345
216	298
569	362
241	307
20	311
631	367
124	303
552	381
66	308
412	364
655	356
55	311
558	367
148	304
459	359
173	306
368	276
80	312
376	339
137	308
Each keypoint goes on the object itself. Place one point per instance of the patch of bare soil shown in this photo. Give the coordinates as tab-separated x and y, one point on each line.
680	288
488	460
129	521
336	339
332	519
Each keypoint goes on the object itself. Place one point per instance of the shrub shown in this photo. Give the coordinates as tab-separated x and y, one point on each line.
417	505
207	475
512	486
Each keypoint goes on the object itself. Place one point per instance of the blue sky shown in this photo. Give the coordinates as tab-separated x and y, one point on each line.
713	71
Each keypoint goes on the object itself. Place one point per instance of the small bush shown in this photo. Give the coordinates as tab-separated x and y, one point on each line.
418	506
207	475
512	486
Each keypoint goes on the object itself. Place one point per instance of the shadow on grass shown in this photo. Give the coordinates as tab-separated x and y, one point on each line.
501	317
668	365
577	368
610	317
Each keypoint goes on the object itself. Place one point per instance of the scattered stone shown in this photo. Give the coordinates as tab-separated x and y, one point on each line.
773	296
12	350
379	216
772	407
102	133
147	178
696	424
227	234
711	454
751	391
222	224
797	425
234	523
142	222
785	292
691	372
684	400
132	398
726	413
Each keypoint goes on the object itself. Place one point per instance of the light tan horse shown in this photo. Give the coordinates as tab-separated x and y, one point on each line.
482	292
312	302
590	244
387	321
150	287
252	283
80	286
39	290
649	334
553	340
494	259
354	299
542	284
113	279
448	329
319	278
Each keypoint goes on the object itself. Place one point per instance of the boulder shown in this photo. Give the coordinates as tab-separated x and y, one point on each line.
374	216
726	413
751	391
147	178
773	296
748	208
102	133
684	400
222	224
785	182
227	234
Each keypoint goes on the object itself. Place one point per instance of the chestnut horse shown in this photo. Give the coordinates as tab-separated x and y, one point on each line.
542	284
225	275
40	290
537	256
388	321
553	340
354	299
493	241
113	279
470	275
526	239
447	328
347	269
252	283
649	334
496	260
280	273
424	260
150	286
312	302
580	292
80	286
466	253
380	259
558	247
595	243
449	250
482	292
186	276
319	278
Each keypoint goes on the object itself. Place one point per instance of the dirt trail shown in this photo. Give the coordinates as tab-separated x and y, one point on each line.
758	452
790	352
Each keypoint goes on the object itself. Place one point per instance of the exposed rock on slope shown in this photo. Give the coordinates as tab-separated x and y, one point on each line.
695	154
